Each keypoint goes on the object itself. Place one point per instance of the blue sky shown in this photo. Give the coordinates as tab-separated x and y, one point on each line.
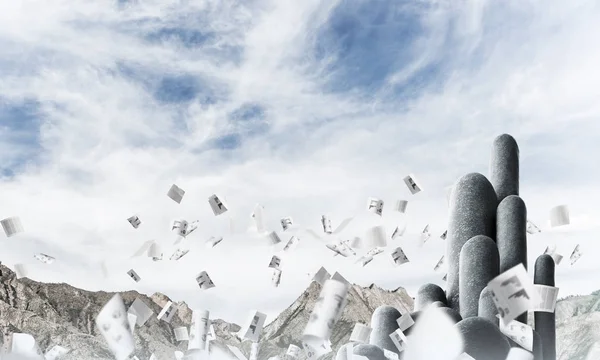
305	107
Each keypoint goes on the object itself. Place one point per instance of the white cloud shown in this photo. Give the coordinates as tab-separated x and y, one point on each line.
109	147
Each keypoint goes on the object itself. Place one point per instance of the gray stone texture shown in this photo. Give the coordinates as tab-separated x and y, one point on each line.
371	352
383	323
487	308
545	322
428	294
504	166
472	212
483	340
479	263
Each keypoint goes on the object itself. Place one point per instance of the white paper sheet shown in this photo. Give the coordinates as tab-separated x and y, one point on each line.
516	353
286	222
134	221
321	276
412	184
167	312
375	206
559	216
255	325
56	352
547	296
326	223
520	333
181	334
293	351
26	346
405	321
575	255
401	206
291	244
275	262
360	333
513	293
199	328
176	193
399	257
46	259
399	339
113	324
376	237
439	264
276	277
204	281
133	275
532	228
141	310
217	205
327	309
254	349
12	226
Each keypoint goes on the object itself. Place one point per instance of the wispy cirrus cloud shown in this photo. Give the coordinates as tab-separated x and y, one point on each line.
305	107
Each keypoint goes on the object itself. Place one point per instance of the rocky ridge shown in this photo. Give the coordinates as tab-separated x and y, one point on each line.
59	314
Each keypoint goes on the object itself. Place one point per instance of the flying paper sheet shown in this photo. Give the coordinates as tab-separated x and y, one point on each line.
132	274
342	225
293	351
141	310
276	277
46	259
181	333
513	293
364	260
25	345
113	325
217	205
360	333
325	313
326	222
401	206
532	228
399	339
340	248
547	296
398	257
199	328
274	239
399	231
439	264
178	254
375	206
517	353
155	251
321	276
254	329
575	255
551	250
286	223
134	221
376	237
167	312
213	241
275	262
204	281
412	184
390	355
559	216
144	248
405	321
434	323
444	235
131	319
254	348
338	277
176	194
258	217
12	226
520	333
180	227
445	277
317	351
238	354
56	352
291	244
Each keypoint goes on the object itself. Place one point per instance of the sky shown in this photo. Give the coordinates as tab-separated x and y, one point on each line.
305	107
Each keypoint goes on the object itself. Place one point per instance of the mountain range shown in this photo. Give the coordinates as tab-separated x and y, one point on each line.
60	314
